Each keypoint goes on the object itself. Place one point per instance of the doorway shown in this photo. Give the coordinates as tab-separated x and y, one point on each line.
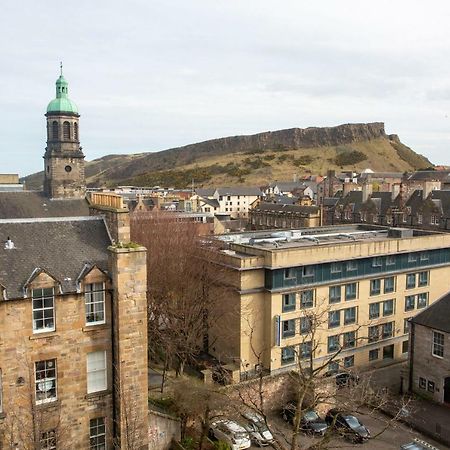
447	390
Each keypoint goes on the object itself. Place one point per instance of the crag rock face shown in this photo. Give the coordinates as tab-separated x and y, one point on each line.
292	138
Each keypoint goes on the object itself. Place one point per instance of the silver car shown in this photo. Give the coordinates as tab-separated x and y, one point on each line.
256	427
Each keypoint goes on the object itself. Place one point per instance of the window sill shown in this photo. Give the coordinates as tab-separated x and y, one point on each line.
94	327
46	334
48	405
93	395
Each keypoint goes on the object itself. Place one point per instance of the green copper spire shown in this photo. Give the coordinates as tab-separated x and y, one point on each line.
62	103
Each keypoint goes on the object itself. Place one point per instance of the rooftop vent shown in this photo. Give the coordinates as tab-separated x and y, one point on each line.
9	244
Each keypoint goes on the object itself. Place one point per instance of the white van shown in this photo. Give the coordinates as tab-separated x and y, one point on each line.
230	432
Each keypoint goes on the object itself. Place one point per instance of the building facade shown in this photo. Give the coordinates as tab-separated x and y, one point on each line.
361	283
429	360
73	353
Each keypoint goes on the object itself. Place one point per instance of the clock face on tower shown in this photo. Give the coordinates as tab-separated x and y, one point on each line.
68	169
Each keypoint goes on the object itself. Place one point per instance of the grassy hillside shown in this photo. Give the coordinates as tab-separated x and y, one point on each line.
257	159
260	166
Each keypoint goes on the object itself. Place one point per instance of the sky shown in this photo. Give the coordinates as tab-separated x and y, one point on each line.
154	74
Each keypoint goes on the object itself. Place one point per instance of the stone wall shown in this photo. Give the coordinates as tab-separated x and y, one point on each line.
429	367
129	275
162	429
69	344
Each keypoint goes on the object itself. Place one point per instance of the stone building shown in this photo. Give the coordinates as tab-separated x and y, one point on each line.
429	360
272	215
63	158
362	281
73	326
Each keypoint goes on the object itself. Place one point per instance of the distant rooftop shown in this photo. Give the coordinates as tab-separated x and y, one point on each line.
316	236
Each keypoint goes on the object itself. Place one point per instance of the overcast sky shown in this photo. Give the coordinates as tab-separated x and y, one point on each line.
153	74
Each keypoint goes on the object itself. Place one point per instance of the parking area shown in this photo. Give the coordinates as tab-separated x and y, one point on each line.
390	439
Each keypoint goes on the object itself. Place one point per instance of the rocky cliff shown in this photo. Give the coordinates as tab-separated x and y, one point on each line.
310	149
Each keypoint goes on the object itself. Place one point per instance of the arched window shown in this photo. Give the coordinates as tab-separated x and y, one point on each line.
75	131
66	131
55	130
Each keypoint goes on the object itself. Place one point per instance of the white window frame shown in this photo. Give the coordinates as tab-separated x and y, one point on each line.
91	294
99	428
97	374
46	383
43	309
47	440
437	345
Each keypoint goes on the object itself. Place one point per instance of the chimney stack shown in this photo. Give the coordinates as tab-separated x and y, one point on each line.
366	191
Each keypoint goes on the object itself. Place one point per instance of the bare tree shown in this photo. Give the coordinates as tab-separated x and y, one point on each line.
196	401
180	281
312	385
29	425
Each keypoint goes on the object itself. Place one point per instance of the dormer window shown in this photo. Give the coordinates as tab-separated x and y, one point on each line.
43	300
95	303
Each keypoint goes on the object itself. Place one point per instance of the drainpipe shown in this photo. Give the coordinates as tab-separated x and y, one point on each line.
412	335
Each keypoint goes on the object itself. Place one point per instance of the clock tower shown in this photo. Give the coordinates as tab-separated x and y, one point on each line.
63	158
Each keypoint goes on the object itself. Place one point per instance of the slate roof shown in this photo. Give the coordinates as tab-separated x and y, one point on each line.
60	246
240	190
383	200
283	200
211	202
436	315
287	208
205	192
28	204
429	175
444	198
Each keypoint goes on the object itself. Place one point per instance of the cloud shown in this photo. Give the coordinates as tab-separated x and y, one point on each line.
151	75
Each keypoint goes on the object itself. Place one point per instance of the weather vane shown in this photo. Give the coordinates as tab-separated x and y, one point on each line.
60	66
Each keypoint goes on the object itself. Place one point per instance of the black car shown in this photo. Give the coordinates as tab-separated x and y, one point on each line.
348	425
346	379
310	421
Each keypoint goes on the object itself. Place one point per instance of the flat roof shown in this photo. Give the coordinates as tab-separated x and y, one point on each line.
316	236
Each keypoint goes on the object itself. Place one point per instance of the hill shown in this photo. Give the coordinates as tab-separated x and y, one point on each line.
257	159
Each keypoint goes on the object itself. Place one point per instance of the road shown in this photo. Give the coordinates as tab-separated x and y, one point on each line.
391	439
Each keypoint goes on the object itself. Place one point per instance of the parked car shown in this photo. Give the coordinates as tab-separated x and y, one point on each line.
345	379
310	421
230	432
418	444
256	427
348	425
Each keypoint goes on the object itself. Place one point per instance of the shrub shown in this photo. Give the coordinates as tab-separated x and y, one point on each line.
348	158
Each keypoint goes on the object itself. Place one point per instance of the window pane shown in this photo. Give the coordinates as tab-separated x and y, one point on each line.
45	380
422	300
95	303
96	371
410	281
350	291
287	355
43	310
335	294
334	319
375	287
97	434
349	315
374	310
288	302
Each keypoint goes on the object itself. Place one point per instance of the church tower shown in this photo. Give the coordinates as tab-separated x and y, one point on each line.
63	158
